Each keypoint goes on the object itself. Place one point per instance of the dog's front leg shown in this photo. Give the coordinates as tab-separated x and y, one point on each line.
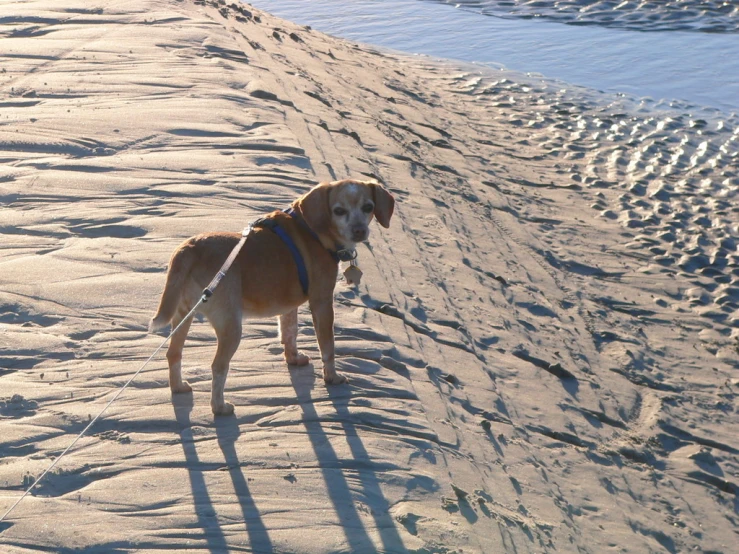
289	338
323	322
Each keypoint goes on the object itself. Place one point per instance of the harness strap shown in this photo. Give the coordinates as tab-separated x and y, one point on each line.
272	225
299	262
339	255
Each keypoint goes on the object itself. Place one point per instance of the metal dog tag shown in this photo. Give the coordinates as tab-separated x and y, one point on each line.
353	275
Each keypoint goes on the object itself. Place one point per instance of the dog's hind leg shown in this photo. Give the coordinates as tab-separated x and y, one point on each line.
228	332
174	353
289	338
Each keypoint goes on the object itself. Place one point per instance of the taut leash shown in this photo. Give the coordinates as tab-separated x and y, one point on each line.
208	291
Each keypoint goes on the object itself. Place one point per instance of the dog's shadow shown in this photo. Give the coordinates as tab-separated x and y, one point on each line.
307	385
204	509
304	379
227	432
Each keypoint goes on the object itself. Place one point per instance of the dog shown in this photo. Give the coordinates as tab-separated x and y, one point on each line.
269	279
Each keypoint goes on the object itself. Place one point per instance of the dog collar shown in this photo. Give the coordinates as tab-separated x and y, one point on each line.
344	255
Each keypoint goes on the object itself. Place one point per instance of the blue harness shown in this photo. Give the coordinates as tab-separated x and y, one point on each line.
339	255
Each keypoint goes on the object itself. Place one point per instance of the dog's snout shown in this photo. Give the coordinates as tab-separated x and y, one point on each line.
359	233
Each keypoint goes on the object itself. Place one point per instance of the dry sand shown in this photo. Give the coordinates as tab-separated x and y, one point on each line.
543	353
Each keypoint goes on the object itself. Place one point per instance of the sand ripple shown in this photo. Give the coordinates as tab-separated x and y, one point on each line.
666	173
711	16
543	352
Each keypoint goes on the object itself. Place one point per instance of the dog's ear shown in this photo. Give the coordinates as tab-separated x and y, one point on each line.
314	208
384	204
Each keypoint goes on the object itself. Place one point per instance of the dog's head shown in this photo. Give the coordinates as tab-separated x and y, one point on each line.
343	210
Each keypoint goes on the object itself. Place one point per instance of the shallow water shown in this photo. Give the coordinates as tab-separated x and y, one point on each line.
710	16
699	69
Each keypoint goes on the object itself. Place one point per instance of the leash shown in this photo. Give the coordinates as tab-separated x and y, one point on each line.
207	293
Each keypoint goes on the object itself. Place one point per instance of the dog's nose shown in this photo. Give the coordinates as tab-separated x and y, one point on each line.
359	234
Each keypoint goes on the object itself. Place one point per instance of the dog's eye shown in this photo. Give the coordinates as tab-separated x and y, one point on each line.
368	208
340	211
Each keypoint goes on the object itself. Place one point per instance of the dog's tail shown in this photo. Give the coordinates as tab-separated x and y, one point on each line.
179	269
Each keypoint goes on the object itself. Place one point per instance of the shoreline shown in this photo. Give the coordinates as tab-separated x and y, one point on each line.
641	65
542	354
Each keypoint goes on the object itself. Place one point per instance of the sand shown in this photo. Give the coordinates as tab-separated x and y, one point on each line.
543	351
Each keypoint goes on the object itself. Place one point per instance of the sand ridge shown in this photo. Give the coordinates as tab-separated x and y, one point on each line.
542	353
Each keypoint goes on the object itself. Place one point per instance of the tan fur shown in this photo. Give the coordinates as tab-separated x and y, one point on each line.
263	280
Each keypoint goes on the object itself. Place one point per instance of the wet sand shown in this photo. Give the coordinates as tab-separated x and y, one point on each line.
543	352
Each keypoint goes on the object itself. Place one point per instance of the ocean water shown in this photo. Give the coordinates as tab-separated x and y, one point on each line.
669	51
710	16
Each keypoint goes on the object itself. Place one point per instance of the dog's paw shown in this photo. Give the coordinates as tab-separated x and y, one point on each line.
181	388
299	359
335	379
226	410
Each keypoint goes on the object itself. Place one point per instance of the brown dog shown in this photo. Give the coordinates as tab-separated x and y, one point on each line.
265	279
